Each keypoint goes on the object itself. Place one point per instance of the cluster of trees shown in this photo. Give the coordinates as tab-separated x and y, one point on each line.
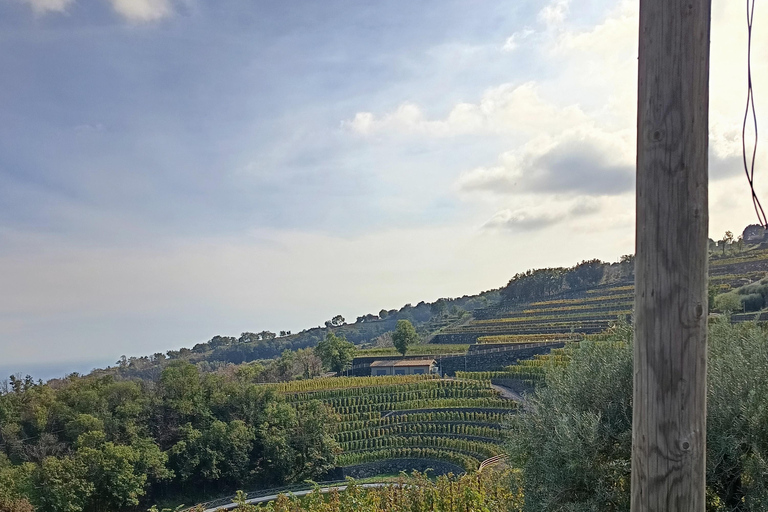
221	351
98	443
335	352
588	405
750	297
728	241
544	282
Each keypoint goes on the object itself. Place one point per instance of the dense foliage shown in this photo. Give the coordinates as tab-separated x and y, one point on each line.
544	282
750	297
574	444
481	492
98	444
335	352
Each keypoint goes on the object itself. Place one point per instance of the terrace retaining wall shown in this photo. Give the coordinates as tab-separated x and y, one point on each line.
490	361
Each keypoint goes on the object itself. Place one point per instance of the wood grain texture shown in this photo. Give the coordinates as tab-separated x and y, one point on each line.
669	417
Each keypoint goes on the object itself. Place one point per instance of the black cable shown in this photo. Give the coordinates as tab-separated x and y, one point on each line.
749	168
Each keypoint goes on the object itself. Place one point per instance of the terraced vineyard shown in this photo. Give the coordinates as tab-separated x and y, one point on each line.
425	417
571	315
558	319
531	371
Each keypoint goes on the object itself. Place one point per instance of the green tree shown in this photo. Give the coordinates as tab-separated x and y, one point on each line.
116	475
62	485
728	302
220	452
296	443
404	336
181	387
311	439
335	352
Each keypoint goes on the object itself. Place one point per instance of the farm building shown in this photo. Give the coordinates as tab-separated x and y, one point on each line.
404	367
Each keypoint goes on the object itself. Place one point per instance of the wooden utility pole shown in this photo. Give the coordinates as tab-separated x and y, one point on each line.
670	407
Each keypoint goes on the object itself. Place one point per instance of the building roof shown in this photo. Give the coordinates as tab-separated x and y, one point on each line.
402	362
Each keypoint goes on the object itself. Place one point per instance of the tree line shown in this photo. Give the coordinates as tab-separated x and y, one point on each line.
97	443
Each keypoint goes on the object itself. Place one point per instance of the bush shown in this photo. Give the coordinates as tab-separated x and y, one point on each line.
728	302
752	302
574	445
737	419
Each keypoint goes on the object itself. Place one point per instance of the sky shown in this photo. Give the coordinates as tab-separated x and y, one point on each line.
171	170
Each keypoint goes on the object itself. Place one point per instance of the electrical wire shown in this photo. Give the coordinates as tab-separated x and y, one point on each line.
749	166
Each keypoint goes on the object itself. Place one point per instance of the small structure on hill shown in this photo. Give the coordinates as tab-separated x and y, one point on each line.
404	367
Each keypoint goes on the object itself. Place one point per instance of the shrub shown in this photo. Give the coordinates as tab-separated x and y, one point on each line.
737	419
574	445
728	302
752	302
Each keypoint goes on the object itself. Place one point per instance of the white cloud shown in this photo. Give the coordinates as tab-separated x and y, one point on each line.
504	109
520	220
142	10
513	41
45	6
554	14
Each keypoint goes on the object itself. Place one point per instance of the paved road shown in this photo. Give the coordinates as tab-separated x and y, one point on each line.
263	499
511	394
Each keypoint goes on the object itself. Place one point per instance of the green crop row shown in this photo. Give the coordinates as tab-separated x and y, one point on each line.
514	339
505	326
587	315
460	429
482	376
484	449
595	308
599	298
431	384
412	396
463	460
344	382
535	327
752	256
425	349
484	403
612	289
452	416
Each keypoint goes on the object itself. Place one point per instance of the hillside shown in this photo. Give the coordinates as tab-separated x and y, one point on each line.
194	423
544	305
533	308
457	422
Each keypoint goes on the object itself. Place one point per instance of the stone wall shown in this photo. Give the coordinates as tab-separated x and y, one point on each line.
489	362
395	466
464	338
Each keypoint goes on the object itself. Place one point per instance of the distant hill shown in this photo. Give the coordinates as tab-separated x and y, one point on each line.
537	305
